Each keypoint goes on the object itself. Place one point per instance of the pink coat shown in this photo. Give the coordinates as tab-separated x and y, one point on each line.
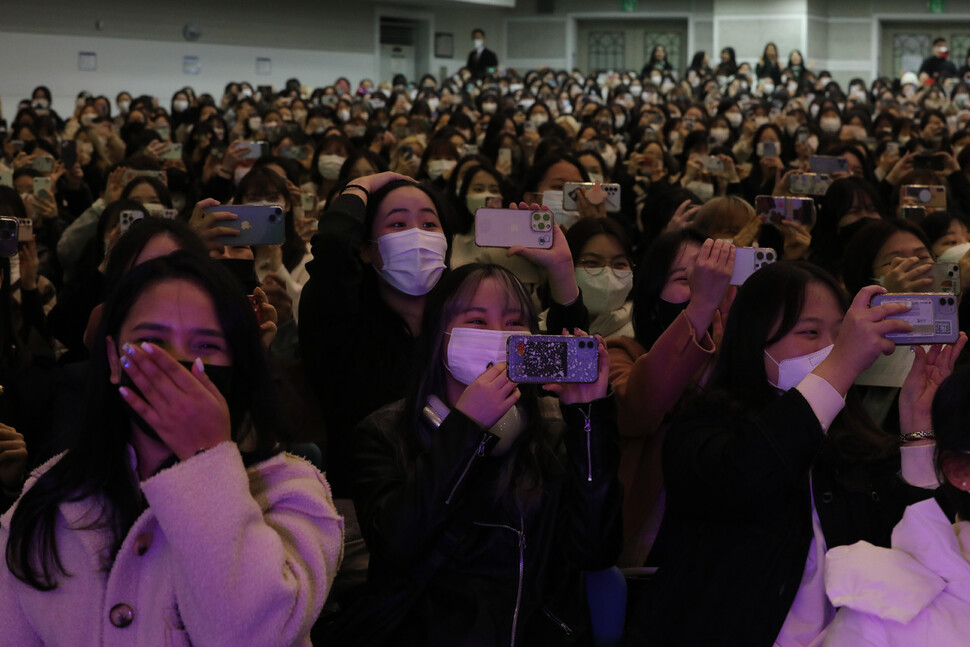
223	555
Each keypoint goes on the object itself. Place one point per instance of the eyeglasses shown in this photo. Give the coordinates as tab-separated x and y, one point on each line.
595	266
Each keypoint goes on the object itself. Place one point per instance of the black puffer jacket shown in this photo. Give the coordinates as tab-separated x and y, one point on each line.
505	572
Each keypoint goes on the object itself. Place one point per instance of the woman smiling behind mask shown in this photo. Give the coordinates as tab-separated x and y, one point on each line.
180	402
469	468
773	452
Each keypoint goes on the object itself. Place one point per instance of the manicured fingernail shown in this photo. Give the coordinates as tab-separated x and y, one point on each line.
145	346
128	348
123	390
125	362
198	365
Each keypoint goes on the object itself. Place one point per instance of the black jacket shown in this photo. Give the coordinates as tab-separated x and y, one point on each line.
479	65
738	520
449	491
356	350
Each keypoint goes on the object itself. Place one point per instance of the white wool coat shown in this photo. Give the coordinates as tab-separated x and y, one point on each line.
223	555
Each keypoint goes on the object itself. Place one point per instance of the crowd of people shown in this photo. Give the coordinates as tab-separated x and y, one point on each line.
269	444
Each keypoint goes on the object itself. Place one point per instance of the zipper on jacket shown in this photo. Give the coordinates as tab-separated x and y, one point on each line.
566	629
478	452
520	584
589	442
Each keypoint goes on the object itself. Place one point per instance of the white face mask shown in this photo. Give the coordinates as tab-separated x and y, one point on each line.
476	201
436	168
255	122
413	259
180	105
489	108
329	166
720	135
471	351
734	118
478	43
609	156
793	370
703	190
163	131
343	115
606	291
123	106
539	118
830	124
553	200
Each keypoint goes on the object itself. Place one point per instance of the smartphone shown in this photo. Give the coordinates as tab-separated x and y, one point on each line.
293	152
946	278
828	164
892	147
511	227
469	149
925	195
257	224
504	156
69	153
156	210
42	187
748	260
542	359
131	174
809	183
913	214
928	162
174	152
308	201
768	149
255	150
570	192
778	209
711	164
127	218
802	134
6	178
44	164
18	144
933	316
9	228
25	230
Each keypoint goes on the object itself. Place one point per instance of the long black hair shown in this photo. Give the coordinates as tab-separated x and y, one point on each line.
649	281
98	464
522	474
951	406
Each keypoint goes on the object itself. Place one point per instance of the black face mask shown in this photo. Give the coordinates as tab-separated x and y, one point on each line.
221	376
244	270
667	312
846	233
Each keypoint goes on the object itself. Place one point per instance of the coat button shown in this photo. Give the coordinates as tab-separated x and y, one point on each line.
121	615
142	543
827	497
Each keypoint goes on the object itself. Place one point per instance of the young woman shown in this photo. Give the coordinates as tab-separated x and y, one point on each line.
486	508
679	291
180	403
773	464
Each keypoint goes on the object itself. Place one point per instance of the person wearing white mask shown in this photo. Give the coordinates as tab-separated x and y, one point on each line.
326	164
760	471
378	251
532	267
481	60
603	259
518	490
438	161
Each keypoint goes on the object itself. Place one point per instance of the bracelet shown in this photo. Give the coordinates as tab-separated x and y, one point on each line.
918	435
358	187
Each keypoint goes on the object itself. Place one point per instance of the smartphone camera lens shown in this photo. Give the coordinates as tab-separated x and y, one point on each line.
760	256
